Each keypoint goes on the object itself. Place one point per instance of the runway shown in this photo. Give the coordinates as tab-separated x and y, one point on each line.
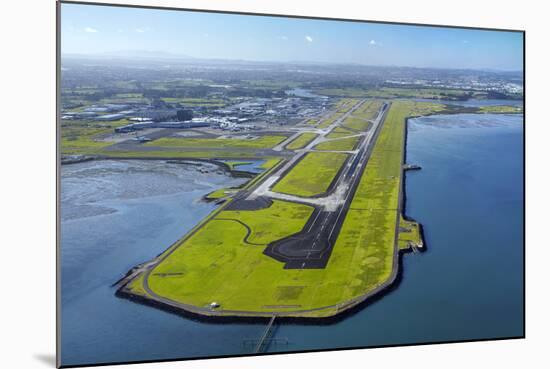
311	248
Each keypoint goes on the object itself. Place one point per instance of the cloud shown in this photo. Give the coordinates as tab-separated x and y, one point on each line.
464	41
142	29
284	38
372	42
309	39
90	30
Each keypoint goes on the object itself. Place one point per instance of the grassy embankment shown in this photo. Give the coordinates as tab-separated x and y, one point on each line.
225	192
312	175
301	141
234	164
216	263
409	234
221	193
501	109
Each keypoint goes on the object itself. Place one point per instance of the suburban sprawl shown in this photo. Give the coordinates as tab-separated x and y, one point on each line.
320	227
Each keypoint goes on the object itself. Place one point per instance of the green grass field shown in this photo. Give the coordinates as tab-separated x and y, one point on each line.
340	132
262	142
393	92
501	109
213	103
312	175
341	107
84	137
346	104
226	192
220	194
198	272
327	122
344	144
136	286
357	124
312	122
81	137
359	120
301	141
270	163
409	234
368	110
235	164
342	92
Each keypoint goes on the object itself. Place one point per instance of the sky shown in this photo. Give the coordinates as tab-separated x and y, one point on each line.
93	29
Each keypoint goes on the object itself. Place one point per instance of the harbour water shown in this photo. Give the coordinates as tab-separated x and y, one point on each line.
467	285
300	92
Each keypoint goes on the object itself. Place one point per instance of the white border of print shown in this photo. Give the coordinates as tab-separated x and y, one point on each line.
27	319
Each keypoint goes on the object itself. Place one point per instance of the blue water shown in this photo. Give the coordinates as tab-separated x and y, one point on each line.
116	214
301	92
467	285
252	166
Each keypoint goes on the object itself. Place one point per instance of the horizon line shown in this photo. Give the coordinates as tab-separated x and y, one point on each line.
184	57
